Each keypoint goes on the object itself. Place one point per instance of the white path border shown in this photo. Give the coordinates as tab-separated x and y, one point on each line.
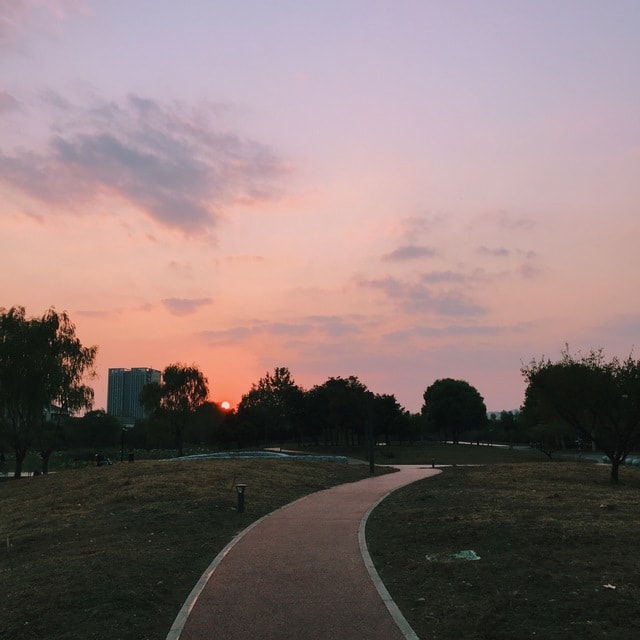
396	614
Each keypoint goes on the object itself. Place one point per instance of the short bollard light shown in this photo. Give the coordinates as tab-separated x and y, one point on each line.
240	489
433	463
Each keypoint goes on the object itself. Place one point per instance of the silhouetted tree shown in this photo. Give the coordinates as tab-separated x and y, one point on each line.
543	431
314	417
96	429
598	399
389	416
413	427
68	363
508	425
181	393
207	426
274	406
343	404
42	367
453	406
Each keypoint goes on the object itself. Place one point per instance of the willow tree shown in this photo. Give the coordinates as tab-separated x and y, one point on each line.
43	366
183	390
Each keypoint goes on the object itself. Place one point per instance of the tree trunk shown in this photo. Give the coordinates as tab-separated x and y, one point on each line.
178	431
615	466
45	455
179	445
20	456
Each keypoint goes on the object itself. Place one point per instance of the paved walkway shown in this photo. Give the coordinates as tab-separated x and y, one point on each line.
301	572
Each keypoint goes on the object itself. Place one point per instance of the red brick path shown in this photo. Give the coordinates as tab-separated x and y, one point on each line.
300	574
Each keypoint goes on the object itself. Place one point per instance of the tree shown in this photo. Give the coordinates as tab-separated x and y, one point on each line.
390	418
544	432
274	405
598	399
20	382
413	427
343	406
208	425
502	426
96	429
314	414
453	406
42	367
508	423
177	398
69	362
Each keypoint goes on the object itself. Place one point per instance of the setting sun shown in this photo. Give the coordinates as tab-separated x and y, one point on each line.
225	406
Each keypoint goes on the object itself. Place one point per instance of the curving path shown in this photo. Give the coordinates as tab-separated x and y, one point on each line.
303	571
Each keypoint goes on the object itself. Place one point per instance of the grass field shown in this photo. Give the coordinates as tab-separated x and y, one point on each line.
114	551
558	548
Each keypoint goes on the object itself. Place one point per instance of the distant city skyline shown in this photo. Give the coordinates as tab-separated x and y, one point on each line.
398	191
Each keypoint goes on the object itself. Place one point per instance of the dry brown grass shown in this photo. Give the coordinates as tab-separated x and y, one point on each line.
550	536
112	552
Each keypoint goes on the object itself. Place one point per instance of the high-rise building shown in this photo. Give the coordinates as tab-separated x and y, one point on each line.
123	392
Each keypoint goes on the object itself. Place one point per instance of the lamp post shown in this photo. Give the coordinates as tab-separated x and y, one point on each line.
125	428
240	487
370	433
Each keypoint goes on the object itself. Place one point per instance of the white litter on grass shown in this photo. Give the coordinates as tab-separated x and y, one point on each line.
609	586
468	554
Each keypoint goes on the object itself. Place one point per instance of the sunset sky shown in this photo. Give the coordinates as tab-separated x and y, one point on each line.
401	191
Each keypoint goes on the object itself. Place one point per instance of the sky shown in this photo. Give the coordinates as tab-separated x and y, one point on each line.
401	191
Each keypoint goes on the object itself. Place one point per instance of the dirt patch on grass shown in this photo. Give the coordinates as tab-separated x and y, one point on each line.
557	546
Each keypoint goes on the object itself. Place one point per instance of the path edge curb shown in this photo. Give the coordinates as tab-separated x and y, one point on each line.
396	614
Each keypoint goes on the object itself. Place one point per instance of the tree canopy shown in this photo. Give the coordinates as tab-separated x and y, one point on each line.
183	390
453	406
341	409
598	399
42	367
273	406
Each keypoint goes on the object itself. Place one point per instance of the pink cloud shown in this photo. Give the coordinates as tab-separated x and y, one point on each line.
168	161
416	298
409	252
185	306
